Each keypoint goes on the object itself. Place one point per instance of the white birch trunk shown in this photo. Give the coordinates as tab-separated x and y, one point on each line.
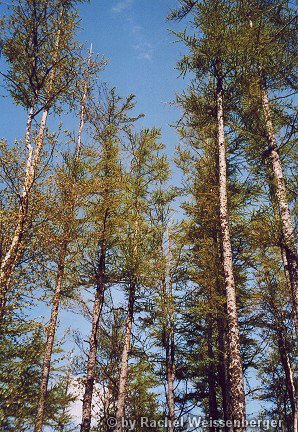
288	236
235	366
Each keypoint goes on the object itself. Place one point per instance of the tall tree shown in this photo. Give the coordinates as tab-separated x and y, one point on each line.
269	80
67	182
39	49
109	119
213	52
147	167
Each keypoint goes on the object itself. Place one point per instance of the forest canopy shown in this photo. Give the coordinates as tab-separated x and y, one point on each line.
180	274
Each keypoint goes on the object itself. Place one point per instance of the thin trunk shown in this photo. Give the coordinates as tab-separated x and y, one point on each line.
91	364
212	399
11	257
288	236
283	350
170	338
223	370
235	366
93	342
290	385
170	367
223	355
50	342
120	412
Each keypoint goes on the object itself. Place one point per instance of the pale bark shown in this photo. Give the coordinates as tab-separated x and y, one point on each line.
235	365
288	235
11	257
33	156
120	412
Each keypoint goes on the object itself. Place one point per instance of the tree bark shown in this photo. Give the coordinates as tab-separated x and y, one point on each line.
169	335
235	365
11	257
212	400
120	412
50	342
288	236
290	385
93	342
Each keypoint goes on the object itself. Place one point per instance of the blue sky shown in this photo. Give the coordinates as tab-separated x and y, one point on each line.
134	36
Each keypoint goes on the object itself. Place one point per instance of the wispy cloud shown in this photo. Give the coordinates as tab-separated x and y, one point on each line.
144	50
121	6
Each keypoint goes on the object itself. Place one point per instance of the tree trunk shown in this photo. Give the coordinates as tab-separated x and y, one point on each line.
50	342
93	342
235	366
170	367
288	236
223	370
11	257
120	412
285	361
212	400
169	335
170	371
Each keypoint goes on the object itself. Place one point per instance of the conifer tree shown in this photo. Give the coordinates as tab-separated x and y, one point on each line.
67	183
147	167
213	52
109	119
269	71
39	50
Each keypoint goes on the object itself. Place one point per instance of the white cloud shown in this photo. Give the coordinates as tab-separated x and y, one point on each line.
136	28
144	50
121	6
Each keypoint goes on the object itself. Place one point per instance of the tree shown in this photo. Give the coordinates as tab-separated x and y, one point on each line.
269	69
212	57
39	49
146	168
106	186
68	192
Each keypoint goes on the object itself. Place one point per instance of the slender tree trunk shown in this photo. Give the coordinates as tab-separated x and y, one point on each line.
11	257
223	370
285	361
222	345
169	335
212	400
288	236
120	412
235	366
93	342
50	342
170	367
